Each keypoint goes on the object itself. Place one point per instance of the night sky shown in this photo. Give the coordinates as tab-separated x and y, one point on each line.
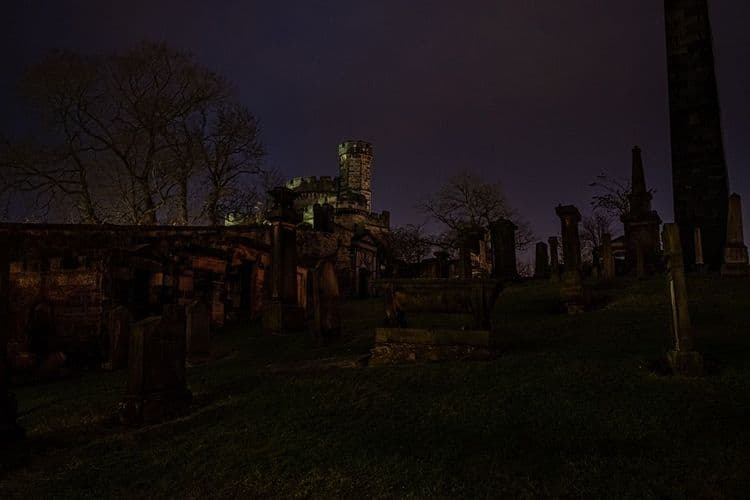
542	95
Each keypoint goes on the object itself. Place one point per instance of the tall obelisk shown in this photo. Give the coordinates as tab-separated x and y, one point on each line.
699	171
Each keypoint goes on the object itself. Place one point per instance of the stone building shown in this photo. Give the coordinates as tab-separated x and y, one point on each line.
349	195
699	172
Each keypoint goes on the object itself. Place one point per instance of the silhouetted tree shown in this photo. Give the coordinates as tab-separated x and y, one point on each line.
409	244
594	227
139	137
467	199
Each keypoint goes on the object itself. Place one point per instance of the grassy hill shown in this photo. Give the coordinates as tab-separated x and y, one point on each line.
574	407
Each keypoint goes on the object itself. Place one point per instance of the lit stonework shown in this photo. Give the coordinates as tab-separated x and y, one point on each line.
355	166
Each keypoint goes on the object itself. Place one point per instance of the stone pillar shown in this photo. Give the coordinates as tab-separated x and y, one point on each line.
735	251
541	263
572	281
683	359
283	314
157	387
503	234
198	330
554	258
118	330
700	264
608	258
469	237
9	430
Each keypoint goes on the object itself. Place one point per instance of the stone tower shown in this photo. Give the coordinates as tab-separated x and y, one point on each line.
355	169
699	172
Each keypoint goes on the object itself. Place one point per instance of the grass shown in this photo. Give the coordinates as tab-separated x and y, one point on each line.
571	408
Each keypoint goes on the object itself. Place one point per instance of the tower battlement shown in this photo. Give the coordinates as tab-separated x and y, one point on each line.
355	168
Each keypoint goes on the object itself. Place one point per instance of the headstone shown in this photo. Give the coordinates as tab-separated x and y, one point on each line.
608	258
541	263
198	336
554	258
700	264
9	429
572	292
699	172
735	252
283	313
157	388
503	234
118	329
684	360
326	302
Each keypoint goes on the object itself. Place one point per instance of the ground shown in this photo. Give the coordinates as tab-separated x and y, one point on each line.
573	407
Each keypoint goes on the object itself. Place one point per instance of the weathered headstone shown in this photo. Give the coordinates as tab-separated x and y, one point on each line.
684	360
118	330
9	429
157	387
503	234
198	331
572	292
735	252
554	257
283	314
541	263
608	258
326	302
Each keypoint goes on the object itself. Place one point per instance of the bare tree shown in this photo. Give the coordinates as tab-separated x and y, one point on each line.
409	244
467	199
594	227
139	137
614	197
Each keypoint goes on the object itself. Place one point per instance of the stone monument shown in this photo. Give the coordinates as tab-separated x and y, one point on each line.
699	173
735	252
541	262
554	258
503	234
572	292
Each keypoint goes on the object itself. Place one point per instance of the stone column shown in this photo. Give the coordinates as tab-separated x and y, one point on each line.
469	237
608	258
572	281
9	430
503	234
283	314
554	258
700	264
683	359
541	263
735	251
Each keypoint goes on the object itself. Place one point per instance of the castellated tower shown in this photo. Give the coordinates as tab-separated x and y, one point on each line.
355	169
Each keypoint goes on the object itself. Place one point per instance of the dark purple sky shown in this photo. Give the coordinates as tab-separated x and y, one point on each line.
540	94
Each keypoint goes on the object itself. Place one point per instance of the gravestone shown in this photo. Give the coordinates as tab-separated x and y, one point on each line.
684	360
198	330
608	258
118	329
541	263
735	252
326	302
572	292
282	313
157	388
503	234
554	258
9	429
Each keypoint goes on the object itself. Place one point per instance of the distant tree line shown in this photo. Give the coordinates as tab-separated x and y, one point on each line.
147	136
